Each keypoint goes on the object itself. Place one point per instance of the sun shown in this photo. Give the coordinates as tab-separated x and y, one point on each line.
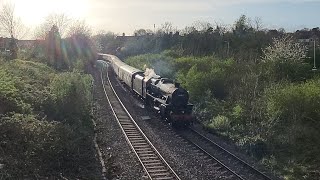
33	12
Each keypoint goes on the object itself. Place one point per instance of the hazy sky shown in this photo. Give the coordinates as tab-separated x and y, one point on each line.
127	15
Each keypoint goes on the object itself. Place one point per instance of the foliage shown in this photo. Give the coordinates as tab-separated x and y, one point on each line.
39	141
10	98
284	50
220	123
196	70
34	148
72	97
53	45
292	122
64	54
267	106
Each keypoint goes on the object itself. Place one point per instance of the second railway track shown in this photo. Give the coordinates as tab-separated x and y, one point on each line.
238	167
153	163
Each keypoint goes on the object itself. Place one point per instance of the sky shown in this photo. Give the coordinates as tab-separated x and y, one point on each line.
128	15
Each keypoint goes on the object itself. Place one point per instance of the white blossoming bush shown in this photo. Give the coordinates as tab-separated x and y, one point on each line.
285	49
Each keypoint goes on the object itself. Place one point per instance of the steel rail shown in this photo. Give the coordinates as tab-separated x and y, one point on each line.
231	154
151	160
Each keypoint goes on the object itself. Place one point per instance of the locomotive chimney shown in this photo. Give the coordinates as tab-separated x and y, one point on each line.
177	85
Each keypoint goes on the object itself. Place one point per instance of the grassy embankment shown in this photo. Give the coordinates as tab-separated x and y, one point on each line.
45	127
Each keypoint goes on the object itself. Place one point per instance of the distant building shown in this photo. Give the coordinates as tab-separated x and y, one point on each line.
309	41
4	44
26	44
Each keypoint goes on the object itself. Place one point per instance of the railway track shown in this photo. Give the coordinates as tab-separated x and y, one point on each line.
238	167
153	163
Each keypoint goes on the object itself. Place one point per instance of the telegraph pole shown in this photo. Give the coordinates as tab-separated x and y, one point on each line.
314	55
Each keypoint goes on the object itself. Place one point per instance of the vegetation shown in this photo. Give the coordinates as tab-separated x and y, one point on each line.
250	84
45	125
267	106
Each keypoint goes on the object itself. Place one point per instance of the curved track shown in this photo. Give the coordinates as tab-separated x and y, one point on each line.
238	167
153	163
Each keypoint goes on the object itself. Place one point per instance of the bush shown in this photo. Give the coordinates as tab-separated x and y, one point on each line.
10	97
199	75
72	97
45	126
34	148
220	123
292	123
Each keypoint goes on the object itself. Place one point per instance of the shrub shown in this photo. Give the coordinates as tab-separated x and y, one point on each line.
34	148
199	75
10	97
72	97
220	123
292	122
32	144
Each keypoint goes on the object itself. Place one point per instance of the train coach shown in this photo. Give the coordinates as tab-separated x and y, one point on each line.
162	94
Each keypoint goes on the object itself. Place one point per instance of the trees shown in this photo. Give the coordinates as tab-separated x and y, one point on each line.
11	24
78	43
53	44
285	50
61	21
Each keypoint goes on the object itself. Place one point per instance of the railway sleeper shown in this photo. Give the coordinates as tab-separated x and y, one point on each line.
123	116
150	162
146	151
140	143
134	136
141	147
147	155
150	165
130	130
158	171
164	178
156	167
129	126
148	158
138	140
129	122
157	174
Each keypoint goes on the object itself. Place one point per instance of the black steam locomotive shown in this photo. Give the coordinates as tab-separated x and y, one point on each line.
166	97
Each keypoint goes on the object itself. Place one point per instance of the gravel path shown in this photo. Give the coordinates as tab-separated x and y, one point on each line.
120	161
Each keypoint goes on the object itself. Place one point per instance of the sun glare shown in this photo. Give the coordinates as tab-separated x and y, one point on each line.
34	11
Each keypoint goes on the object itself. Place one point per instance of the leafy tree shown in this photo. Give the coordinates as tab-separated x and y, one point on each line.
285	49
53	44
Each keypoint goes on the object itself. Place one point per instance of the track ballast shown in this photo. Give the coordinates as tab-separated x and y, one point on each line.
153	163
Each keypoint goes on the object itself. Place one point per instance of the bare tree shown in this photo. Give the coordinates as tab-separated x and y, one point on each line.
257	23
202	26
61	21
79	27
166	28
11	24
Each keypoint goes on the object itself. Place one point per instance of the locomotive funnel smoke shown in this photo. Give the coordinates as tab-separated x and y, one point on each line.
149	73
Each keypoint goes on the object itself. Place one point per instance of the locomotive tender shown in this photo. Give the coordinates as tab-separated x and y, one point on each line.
166	97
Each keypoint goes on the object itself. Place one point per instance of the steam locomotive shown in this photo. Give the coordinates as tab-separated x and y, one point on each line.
162	94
